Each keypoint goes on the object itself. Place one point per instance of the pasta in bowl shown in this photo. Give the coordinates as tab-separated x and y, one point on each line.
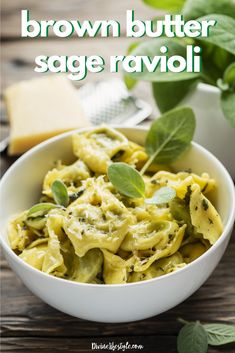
104	237
107	252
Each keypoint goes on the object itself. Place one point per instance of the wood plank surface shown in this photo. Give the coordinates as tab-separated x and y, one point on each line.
153	344
28	323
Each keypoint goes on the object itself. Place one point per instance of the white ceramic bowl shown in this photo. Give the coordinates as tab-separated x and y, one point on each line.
20	188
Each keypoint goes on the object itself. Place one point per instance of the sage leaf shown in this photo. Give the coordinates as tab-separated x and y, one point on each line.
126	180
60	193
229	75
169	5
151	48
222	34
223	86
193	9
161	196
219	334
40	209
129	81
168	94
169	136
228	106
192	338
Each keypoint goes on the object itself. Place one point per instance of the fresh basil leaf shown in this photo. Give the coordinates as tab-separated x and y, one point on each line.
219	334
193	9
151	48
168	94
169	5
126	180
60	193
222	34
229	75
228	106
163	195
40	209
192	338
169	136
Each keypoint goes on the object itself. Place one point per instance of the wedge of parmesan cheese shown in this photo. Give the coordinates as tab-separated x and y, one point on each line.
41	108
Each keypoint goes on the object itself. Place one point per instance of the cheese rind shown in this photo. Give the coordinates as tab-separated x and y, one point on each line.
41	108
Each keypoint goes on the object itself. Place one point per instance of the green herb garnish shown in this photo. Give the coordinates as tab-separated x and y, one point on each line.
219	334
40	209
195	336
169	136
126	180
192	338
60	193
162	195
166	140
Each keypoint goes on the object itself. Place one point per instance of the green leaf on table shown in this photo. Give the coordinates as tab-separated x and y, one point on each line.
161	196
228	105
169	136
192	338
151	48
168	94
60	193
219	334
222	34
169	5
40	209
193	9
126	180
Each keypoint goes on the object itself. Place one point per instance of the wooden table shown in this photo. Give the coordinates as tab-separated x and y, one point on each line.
29	325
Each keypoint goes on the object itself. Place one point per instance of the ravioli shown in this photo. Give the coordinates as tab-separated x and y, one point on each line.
97	147
204	216
103	237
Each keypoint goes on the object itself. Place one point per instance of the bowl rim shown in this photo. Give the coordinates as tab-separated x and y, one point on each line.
226	231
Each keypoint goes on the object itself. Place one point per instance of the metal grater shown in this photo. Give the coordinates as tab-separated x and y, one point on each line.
110	102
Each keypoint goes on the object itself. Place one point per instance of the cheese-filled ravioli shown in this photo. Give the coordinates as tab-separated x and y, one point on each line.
85	230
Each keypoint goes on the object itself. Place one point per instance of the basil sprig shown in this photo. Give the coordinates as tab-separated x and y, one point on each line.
166	140
195	336
218	53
